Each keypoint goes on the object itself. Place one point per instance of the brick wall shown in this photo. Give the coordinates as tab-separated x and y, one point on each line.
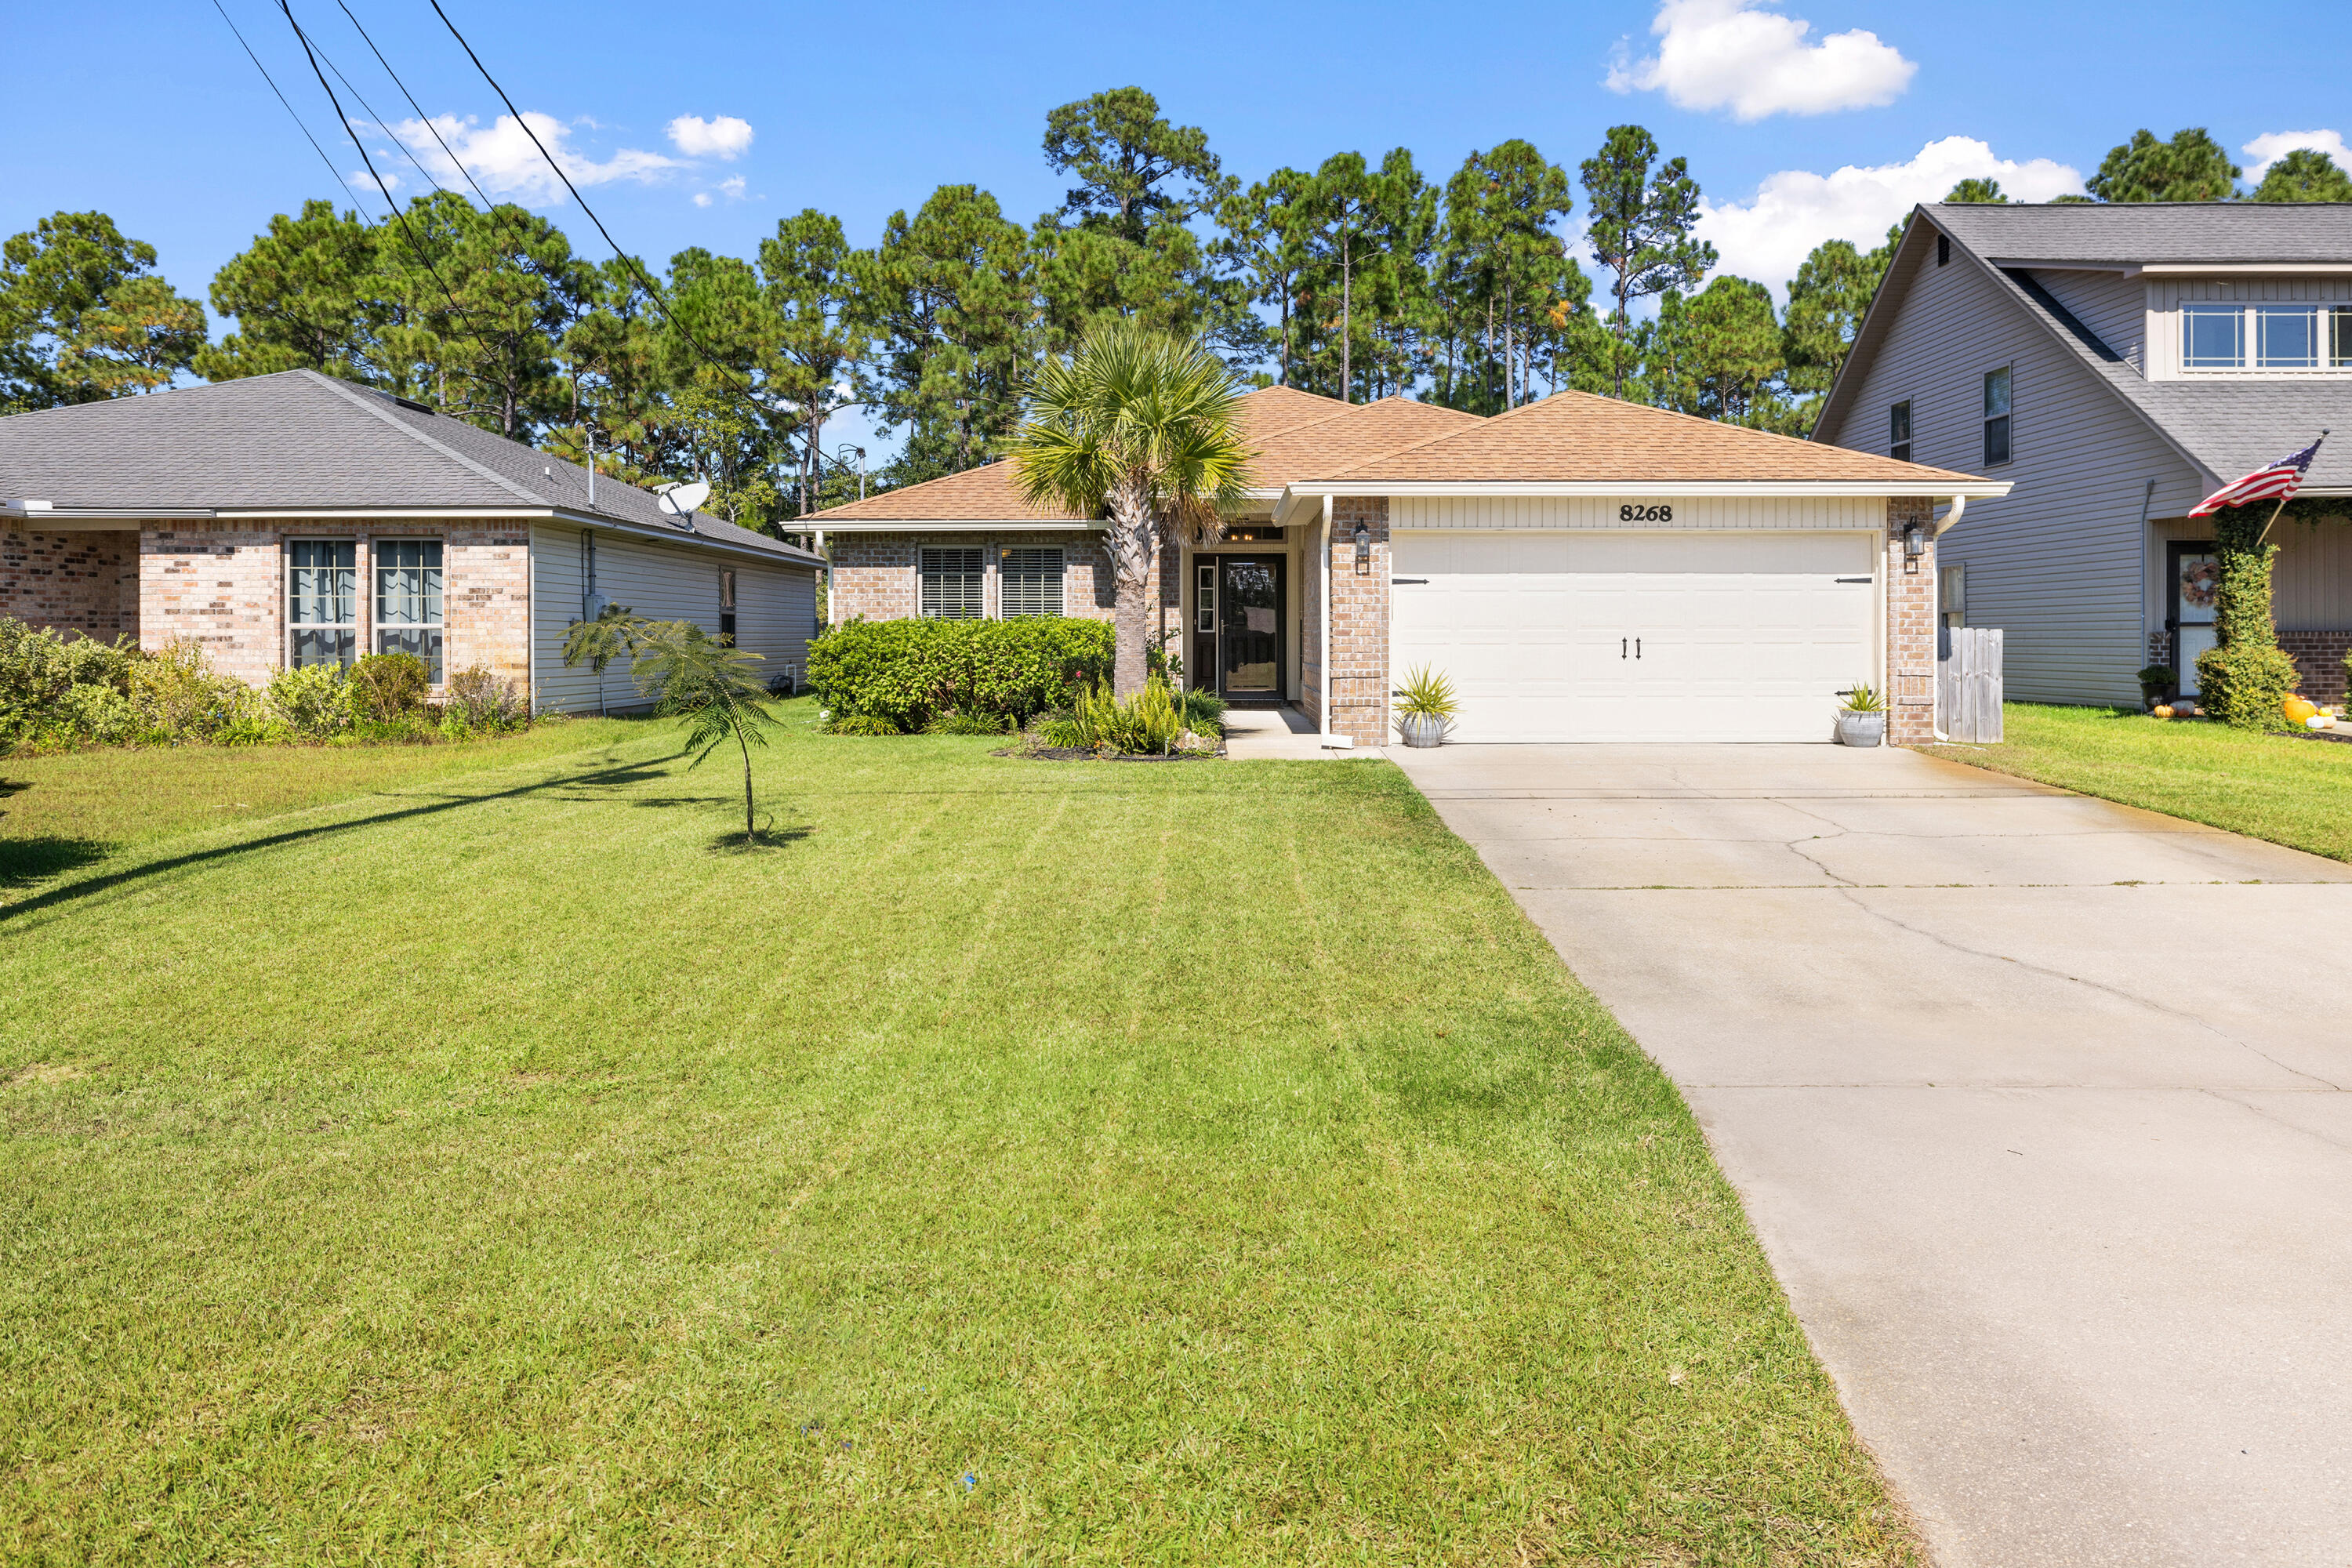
1359	624
85	582
1910	627
2320	656
873	574
222	583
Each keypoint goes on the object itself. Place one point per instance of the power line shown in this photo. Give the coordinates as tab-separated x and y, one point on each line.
423	119
402	217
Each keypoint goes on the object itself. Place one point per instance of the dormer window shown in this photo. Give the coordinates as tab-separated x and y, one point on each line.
2265	337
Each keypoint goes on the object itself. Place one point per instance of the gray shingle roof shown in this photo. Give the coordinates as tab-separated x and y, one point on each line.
298	440
2137	232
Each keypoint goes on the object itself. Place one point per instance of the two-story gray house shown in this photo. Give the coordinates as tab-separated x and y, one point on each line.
2117	363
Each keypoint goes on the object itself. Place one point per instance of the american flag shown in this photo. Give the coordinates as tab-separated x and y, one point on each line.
2276	482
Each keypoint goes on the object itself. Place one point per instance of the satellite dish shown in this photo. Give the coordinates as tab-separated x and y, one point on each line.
681	500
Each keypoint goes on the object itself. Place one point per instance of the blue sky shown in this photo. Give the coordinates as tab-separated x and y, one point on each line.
151	112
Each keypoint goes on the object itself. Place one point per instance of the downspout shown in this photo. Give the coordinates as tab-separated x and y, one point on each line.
1936	683
1323	624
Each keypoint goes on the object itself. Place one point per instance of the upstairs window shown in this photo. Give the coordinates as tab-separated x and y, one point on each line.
951	583
2265	337
408	600
1899	432
1996	416
1029	583
323	602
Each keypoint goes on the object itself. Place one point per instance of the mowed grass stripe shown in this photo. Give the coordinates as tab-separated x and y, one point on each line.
1207	1159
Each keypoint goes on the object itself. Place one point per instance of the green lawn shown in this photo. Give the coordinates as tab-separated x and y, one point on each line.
1190	1163
57	813
2289	791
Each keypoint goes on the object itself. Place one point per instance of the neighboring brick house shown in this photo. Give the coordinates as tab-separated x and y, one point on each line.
297	519
2118	363
1581	569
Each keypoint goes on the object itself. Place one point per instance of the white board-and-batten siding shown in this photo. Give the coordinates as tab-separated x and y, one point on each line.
2058	562
1810	513
775	607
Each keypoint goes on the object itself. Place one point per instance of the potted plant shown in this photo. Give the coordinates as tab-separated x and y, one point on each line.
2156	684
1862	720
1425	707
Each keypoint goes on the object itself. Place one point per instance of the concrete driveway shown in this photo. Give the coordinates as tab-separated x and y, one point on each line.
2038	1104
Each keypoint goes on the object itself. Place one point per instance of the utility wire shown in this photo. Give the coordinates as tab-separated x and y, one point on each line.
402	217
424	119
750	393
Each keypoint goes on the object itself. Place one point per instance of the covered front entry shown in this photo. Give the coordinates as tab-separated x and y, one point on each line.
1238	607
1590	635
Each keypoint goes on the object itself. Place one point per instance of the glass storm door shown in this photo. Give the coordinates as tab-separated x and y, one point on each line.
2196	579
1249	625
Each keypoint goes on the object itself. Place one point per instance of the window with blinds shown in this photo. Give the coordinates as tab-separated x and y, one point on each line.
1030	581
951	583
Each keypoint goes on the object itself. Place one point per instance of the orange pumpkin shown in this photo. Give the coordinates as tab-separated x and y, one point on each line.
2297	710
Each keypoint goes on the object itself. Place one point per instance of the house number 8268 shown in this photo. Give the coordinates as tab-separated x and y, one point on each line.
1645	514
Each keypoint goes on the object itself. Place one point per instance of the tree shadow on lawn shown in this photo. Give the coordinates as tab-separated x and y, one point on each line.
621	774
770	836
25	861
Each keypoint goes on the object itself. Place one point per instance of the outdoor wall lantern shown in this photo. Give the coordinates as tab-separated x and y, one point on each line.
1914	545
1363	550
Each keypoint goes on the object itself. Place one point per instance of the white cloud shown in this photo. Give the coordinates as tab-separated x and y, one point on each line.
361	181
1737	54
702	198
502	158
1768	236
724	138
2272	145
732	188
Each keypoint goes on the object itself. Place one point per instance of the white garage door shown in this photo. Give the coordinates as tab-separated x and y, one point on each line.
1591	635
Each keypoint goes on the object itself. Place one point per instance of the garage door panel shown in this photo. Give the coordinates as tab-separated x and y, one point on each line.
1741	636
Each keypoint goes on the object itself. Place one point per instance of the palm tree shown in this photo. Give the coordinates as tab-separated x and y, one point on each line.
692	675
617	631
1140	429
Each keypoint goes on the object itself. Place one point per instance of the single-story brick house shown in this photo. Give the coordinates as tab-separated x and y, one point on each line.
1581	568
298	519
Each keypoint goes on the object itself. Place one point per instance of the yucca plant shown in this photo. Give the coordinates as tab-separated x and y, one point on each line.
1864	698
1427	693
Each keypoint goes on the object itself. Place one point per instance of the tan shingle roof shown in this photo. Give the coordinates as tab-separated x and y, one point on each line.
1575	437
988	494
1348	435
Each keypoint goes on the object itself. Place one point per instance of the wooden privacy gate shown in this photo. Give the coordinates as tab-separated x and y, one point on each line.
1968	683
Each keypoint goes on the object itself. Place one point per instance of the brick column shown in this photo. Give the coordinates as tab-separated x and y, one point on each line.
1910	627
1360	622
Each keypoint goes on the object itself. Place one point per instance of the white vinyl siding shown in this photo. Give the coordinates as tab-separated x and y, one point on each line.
775	607
1742	512
2058	563
2112	307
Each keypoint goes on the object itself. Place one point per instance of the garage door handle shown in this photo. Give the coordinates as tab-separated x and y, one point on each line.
1637	648
1853	579
1621	647
1407	579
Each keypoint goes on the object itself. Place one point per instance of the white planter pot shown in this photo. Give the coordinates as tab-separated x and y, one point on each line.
1421	728
1861	729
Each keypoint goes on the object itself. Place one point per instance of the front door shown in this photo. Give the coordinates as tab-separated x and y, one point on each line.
1249	625
2196	582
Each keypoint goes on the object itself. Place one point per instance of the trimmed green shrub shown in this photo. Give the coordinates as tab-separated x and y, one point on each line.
311	702
911	671
387	688
2244	686
40	668
860	724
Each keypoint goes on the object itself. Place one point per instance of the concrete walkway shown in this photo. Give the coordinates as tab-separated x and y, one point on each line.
2038	1104
1284	734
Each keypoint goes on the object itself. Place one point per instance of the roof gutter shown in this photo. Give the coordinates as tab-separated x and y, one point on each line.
1936	489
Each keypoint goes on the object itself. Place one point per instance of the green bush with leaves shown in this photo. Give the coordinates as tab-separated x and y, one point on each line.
910	672
1149	723
310	702
2246	687
180	697
388	688
40	667
478	701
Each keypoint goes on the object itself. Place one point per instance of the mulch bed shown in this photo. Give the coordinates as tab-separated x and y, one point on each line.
1080	754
